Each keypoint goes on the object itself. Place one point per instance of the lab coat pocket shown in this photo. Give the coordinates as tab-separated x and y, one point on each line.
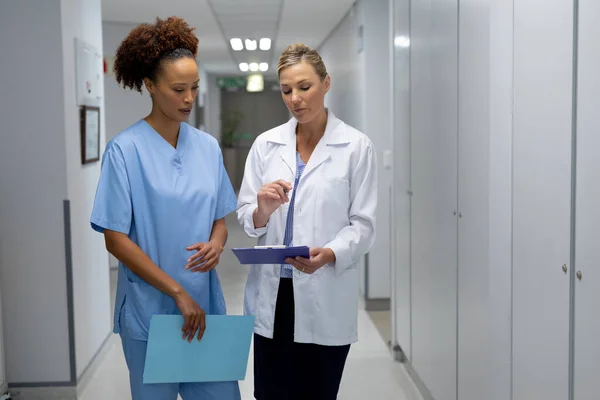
333	206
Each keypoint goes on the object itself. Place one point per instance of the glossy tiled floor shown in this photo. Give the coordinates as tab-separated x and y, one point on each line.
370	372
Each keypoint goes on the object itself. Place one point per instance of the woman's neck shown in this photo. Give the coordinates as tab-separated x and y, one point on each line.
166	127
311	132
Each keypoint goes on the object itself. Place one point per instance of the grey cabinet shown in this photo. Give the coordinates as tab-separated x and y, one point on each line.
586	274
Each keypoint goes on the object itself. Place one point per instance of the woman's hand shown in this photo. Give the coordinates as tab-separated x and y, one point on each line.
318	258
194	317
270	197
207	257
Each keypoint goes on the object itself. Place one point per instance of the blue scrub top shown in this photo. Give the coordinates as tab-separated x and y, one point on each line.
165	199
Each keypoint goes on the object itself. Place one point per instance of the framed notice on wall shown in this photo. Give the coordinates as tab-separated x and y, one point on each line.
90	134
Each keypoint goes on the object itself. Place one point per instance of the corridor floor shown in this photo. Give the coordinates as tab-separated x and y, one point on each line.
370	372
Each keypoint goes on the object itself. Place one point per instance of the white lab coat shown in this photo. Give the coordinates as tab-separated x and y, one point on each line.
334	207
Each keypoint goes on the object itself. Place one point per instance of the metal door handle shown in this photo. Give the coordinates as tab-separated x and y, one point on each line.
564	268
579	275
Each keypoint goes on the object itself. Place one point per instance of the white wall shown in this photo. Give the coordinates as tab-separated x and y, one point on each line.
91	287
124	107
359	67
38	171
33	185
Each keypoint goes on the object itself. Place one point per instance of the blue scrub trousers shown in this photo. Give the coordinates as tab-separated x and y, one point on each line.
135	356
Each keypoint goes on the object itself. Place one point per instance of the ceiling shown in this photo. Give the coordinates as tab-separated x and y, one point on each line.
217	21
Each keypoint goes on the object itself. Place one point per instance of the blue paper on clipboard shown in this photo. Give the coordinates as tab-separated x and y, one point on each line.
221	355
270	255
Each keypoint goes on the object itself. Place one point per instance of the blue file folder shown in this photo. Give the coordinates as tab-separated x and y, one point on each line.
270	255
221	355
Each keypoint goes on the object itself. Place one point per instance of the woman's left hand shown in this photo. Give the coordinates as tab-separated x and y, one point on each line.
318	258
206	258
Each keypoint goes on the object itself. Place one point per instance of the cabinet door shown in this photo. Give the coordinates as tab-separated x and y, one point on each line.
543	104
2	370
473	199
587	249
401	215
434	63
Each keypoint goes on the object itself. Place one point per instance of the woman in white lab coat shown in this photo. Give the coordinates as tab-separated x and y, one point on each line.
310	182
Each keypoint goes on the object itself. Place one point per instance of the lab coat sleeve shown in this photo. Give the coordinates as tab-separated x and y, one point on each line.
251	184
356	239
112	206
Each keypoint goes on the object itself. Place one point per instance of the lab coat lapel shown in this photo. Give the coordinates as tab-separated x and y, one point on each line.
318	157
288	152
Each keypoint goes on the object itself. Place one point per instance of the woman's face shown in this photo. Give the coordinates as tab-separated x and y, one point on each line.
175	89
303	91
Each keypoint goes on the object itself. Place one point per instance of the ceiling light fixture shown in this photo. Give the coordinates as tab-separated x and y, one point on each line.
236	44
255	83
265	44
253	67
402	41
244	67
250	45
263	67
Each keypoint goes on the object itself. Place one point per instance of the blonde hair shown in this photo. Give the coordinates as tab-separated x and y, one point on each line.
298	52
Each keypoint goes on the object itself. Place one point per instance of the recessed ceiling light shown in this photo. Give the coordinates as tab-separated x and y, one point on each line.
236	44
253	67
265	44
255	83
250	44
402	41
263	67
244	67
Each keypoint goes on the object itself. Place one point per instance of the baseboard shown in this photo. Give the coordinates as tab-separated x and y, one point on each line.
421	387
377	304
88	373
45	391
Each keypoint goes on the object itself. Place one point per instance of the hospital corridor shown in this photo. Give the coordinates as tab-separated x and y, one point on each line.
370	371
358	199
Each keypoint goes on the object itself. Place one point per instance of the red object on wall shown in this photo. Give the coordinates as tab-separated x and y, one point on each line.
105	66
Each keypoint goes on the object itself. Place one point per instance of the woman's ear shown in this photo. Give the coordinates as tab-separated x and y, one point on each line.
327	83
149	86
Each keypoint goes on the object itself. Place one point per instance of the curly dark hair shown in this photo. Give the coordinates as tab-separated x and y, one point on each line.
143	52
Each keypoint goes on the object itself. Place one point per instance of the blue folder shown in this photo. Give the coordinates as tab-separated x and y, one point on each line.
221	355
270	255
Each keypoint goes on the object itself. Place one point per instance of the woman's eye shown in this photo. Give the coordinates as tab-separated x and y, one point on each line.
305	88
287	91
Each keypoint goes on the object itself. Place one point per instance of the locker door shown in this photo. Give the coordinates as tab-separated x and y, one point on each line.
543	75
434	63
587	250
401	178
473	199
2	370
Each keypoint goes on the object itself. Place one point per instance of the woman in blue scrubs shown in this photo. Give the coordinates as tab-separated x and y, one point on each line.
161	201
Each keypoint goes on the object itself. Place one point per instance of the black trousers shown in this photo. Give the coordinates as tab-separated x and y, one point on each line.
284	370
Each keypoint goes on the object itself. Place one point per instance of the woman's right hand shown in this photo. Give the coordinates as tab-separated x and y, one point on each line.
271	196
194	316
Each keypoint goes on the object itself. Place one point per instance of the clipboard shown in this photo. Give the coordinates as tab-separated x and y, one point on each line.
269	254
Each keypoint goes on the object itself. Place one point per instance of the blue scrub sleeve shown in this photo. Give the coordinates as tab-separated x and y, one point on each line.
112	206
226	200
